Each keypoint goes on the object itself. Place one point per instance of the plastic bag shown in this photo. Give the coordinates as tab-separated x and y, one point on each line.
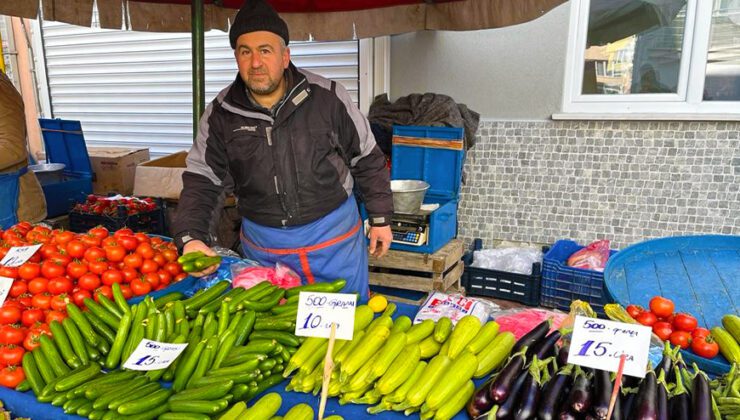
521	321
439	305
592	257
250	273
511	260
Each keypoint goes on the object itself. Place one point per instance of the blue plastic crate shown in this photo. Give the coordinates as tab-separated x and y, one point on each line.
562	284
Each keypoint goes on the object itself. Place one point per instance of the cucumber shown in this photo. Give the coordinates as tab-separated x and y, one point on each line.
150	402
332	287
199	406
88	373
65	347
274	325
299	412
33	376
83	324
183	416
102	313
264	408
212	391
169	297
76	340
114	356
236	412
52	355
283	337
134	394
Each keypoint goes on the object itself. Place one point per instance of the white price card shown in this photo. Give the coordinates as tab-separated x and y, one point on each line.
153	355
5	285
317	311
18	255
599	344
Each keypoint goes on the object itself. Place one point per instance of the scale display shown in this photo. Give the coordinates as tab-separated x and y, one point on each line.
407	231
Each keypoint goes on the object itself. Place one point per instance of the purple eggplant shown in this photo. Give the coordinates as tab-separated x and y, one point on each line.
644	407
579	399
502	385
628	401
507	409
480	402
661	401
602	393
563	356
531	338
530	395
680	402
701	399
553	393
546	347
617	412
566	414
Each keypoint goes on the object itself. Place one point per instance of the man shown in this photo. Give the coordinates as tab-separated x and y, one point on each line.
294	144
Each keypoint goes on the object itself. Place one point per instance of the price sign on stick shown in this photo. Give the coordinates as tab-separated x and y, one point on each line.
599	344
5	285
18	255
153	355
317	311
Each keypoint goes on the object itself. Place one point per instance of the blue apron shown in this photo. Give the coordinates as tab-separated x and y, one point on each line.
324	250
9	191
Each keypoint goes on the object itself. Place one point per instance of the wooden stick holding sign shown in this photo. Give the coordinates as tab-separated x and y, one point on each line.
617	384
328	368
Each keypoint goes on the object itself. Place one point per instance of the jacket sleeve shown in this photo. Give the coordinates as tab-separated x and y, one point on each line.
203	181
366	160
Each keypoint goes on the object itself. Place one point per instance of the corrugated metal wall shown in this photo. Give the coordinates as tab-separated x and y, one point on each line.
134	89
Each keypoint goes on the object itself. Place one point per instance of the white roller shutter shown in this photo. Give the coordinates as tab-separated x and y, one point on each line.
134	89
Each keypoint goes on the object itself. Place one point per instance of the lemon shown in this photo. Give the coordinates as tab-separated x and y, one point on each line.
378	303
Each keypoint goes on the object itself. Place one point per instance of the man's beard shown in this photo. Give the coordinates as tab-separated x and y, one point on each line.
262	88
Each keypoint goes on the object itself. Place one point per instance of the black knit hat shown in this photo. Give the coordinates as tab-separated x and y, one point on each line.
257	15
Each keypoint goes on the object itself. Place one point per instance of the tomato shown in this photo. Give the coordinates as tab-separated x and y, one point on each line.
90	240
661	306
140	287
170	255
99	232
143	237
699	332
60	258
24	300
31	342
50	269
93	254
123	232
663	330
12	334
10	314
684	322
165	278
76	249
681	339
128	242
647	318
59	285
148	266
705	347
159	259
115	253
126	291
33	315
105	291
145	250
181	277
28	271
62	237
79	296
41	301
57	316
129	274
59	302
98	267
76	269
109	241
9	272
11	355
39	285
111	276
634	310
133	260
18	288
11	376
152	279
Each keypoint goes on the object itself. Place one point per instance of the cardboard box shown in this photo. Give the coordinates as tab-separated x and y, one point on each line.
115	168
161	177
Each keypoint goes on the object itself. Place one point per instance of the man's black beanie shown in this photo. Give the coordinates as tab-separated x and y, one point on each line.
257	15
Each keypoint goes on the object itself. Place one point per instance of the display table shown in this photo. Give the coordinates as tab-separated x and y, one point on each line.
25	404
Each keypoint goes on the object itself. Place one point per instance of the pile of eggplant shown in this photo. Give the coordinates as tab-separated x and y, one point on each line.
536	382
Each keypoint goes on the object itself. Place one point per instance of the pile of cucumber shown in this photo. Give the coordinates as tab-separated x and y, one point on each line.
385	364
239	341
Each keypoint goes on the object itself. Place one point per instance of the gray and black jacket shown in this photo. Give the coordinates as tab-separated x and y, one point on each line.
289	168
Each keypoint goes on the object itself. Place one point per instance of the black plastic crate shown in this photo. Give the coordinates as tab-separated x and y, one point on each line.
502	284
148	221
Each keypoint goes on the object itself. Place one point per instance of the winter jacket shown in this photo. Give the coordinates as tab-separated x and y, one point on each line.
289	167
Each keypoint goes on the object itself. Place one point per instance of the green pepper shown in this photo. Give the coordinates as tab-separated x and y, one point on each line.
190	256
205	262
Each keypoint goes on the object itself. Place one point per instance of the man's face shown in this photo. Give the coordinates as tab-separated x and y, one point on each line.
262	58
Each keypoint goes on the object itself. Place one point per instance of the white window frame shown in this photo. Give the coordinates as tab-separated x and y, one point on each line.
686	104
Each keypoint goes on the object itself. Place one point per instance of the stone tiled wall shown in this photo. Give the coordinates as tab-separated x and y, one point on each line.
540	181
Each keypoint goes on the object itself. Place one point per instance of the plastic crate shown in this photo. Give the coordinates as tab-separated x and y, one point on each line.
562	284
147	222
516	287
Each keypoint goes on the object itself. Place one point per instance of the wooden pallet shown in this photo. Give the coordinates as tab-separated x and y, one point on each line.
421	272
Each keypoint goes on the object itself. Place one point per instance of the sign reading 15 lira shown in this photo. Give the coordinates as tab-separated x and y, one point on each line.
153	355
599	344
317	311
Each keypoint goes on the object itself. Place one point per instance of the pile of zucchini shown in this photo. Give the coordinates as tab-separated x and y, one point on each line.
239	342
536	382
394	365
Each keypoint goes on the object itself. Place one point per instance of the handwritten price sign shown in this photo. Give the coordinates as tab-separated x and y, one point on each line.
5	285
153	355
599	344
18	255
317	311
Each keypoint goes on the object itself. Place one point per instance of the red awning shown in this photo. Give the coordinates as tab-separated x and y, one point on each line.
321	20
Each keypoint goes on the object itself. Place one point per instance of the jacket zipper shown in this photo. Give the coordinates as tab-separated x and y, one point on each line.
268	132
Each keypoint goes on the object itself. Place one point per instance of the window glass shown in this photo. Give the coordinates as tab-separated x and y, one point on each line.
722	82
634	46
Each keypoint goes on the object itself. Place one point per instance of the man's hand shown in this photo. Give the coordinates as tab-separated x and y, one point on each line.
380	240
196	245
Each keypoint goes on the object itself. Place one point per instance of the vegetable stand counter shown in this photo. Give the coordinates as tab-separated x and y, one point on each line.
25	404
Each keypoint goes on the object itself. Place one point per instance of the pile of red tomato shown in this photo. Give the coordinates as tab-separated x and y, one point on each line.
680	329
70	267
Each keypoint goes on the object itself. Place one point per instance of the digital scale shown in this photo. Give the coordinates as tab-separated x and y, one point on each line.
409	229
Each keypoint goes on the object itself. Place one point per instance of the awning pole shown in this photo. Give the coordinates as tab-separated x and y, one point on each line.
198	53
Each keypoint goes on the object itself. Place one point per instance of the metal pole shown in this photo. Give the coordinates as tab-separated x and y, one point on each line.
198	53
2	57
